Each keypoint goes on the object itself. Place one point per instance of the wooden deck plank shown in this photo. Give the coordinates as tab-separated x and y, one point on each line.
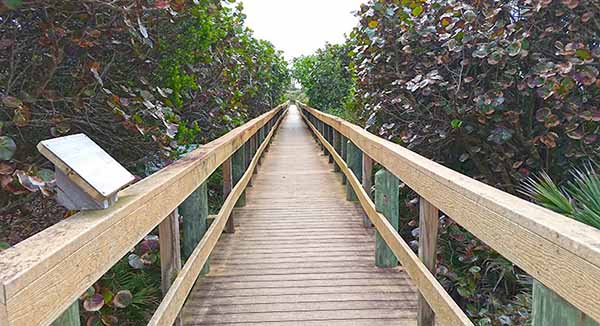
300	254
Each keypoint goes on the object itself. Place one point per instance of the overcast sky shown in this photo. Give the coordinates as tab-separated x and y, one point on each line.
301	26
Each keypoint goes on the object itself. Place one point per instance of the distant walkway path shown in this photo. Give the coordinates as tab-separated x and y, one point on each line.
300	255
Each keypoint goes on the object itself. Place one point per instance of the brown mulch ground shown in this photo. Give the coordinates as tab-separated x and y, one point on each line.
33	216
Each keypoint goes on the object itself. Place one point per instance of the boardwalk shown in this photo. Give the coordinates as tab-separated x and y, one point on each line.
300	255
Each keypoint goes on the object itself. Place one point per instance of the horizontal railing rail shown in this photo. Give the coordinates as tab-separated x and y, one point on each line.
559	252
43	275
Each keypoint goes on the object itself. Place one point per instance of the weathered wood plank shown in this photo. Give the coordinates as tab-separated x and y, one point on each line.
549	309
560	252
69	317
367	181
227	186
354	163
387	202
170	255
428	233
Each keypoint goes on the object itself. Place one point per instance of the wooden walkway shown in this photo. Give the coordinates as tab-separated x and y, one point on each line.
300	255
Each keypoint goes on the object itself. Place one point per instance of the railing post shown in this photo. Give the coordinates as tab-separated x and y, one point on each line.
194	212
238	168
367	181
387	202
170	254
337	147
343	151
428	233
549	309
354	162
69	317
330	141
227	186
255	142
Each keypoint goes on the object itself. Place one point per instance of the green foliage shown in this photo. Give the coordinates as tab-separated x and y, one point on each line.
578	199
494	89
142	79
128	293
327	79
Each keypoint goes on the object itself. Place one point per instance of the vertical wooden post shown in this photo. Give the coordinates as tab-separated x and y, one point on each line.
330	141
194	211
337	146
354	162
429	217
227	186
255	142
238	168
69	317
344	144
549	309
170	254
367	181
387	202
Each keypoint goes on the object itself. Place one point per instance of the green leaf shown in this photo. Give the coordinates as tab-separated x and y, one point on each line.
4	245
12	4
7	148
456	123
122	299
417	11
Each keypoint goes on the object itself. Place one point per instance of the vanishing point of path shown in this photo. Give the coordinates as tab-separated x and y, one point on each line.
300	255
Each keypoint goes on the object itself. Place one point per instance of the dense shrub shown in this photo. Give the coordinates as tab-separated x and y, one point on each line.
496	89
141	78
327	78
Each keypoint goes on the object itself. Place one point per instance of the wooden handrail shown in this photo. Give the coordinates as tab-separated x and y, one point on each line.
447	310
175	298
41	276
561	253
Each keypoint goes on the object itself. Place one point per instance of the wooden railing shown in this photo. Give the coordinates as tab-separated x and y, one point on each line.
562	254
43	275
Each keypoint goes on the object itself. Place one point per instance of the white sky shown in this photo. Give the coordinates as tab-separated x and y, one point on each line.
299	27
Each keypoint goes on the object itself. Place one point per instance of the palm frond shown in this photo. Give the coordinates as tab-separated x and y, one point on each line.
585	189
546	193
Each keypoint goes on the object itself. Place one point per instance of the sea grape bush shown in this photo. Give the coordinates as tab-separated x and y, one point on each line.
327	78
141	78
496	89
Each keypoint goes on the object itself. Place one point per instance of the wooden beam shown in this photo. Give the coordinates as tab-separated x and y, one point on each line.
367	181
337	147
549	309
38	282
170	254
173	301
561	253
387	202
429	218
227	186
344	143
354	162
194	211
70	317
238	169
447	311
